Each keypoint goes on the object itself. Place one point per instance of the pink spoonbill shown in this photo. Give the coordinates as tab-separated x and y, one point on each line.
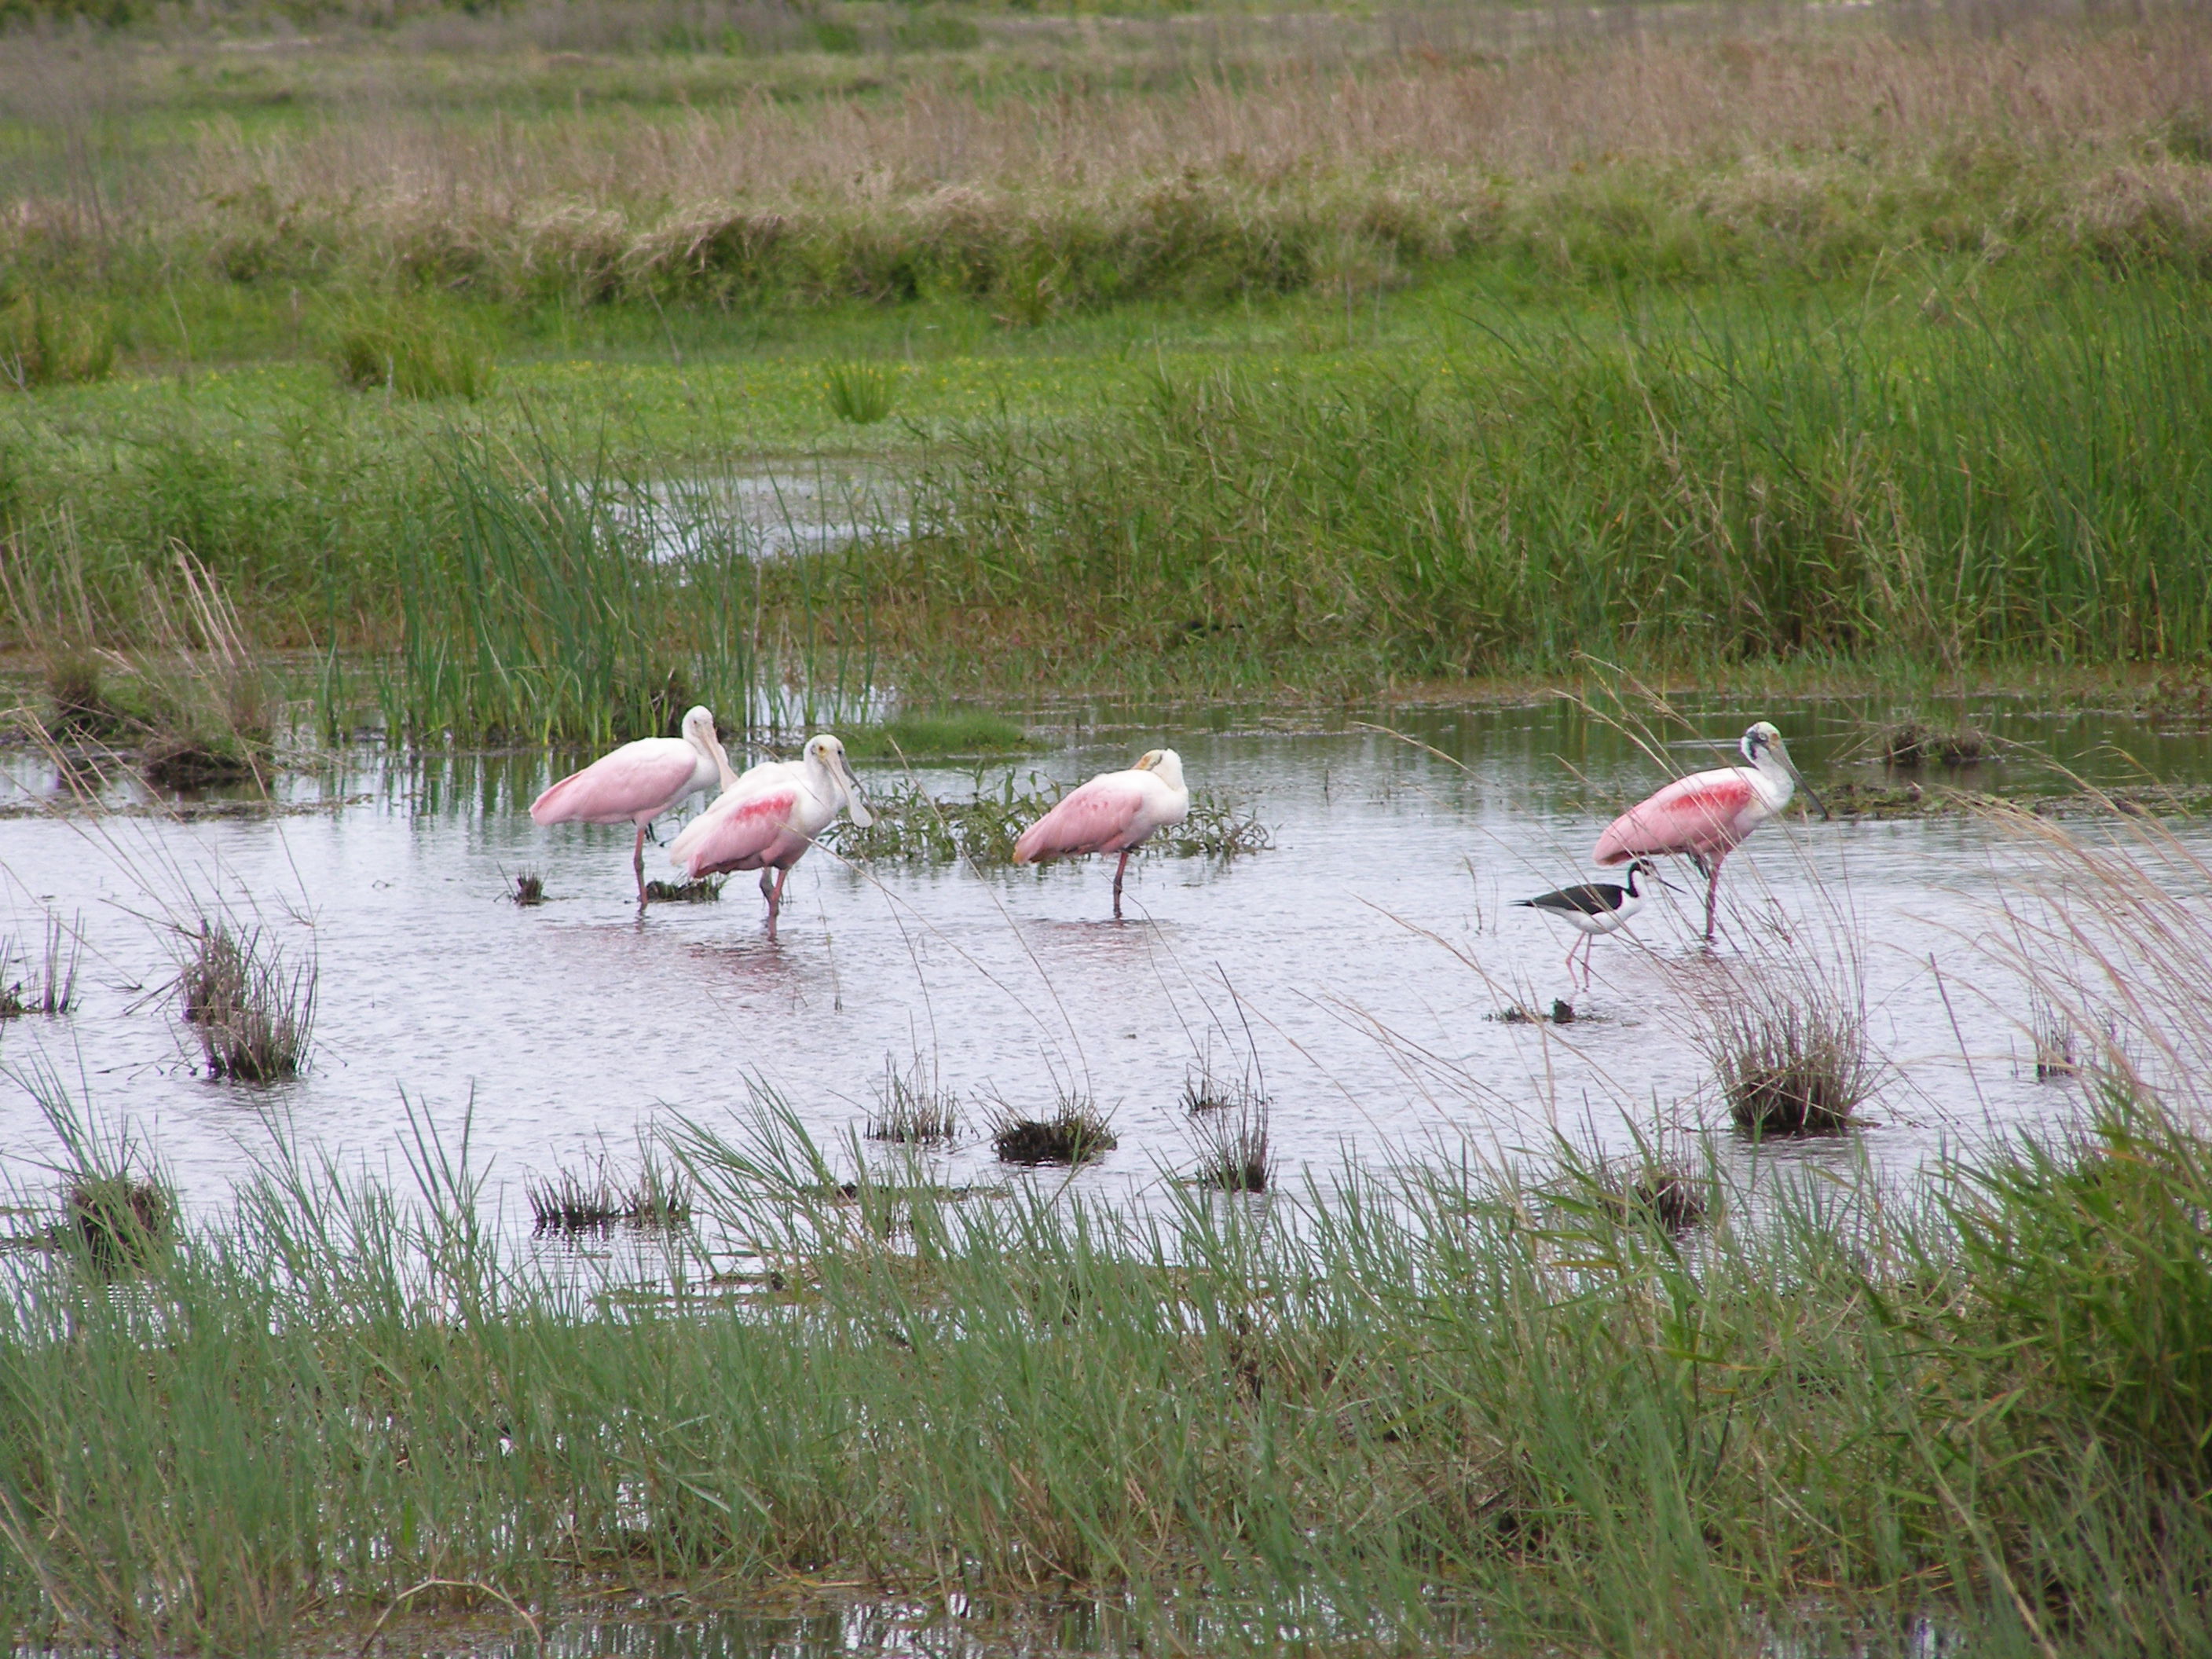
769	817
1112	813
638	782
1706	816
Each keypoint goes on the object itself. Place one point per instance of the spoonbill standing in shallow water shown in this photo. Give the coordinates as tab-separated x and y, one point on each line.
769	817
638	782
1594	910
1112	813
1706	816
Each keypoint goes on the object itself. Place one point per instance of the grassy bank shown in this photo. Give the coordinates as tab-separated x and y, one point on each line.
1465	486
1444	1407
1200	356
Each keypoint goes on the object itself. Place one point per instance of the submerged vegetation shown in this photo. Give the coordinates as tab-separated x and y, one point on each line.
981	829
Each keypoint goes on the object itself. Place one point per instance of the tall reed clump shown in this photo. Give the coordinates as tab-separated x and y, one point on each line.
252	1017
411	354
544	602
45	340
1758	480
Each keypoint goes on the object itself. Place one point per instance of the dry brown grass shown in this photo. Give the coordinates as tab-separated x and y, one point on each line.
1388	139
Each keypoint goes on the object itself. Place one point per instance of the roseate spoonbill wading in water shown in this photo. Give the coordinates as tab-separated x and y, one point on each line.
1594	910
638	782
769	817
1704	816
1112	813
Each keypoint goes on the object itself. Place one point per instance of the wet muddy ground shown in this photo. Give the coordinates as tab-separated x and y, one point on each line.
1357	970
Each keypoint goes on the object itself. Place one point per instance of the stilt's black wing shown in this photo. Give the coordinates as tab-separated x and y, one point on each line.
1592	898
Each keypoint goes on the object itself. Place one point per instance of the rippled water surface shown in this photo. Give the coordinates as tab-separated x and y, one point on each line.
1358	966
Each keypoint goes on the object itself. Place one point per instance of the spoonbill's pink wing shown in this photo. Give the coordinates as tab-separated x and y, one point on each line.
1697	814
648	777
738	832
1091	819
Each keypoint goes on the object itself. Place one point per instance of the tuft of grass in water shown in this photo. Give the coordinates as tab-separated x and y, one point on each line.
569	1201
2058	1057
912	1108
1908	743
1674	1198
1228	1123
1076	1133
253	1018
411	354
704	891
45	340
49	986
1790	1058
122	1222
859	394
529	889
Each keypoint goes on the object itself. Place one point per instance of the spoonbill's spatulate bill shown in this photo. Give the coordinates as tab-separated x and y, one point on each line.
768	819
1706	816
639	781
1112	813
1594	910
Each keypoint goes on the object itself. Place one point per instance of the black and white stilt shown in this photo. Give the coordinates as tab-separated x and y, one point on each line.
1594	910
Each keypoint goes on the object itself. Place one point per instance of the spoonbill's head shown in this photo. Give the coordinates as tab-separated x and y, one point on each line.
699	732
1763	744
1166	762
828	752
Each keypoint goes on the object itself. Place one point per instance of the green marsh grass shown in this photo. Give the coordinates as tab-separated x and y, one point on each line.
537	605
1439	1410
45	340
860	394
409	353
1746	481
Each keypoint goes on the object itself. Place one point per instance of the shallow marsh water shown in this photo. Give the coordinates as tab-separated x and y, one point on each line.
1359	966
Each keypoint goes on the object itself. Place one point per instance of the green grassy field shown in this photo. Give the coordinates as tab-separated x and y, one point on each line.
1188	354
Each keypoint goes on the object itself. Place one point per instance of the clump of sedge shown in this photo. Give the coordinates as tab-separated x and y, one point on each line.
1075	1133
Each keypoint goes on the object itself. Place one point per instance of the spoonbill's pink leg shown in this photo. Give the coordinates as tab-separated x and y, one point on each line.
637	863
775	897
1120	870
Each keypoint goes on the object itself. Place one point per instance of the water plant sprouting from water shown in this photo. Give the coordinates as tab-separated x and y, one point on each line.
914	1106
578	1200
1789	1050
1075	1132
48	983
253	1015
